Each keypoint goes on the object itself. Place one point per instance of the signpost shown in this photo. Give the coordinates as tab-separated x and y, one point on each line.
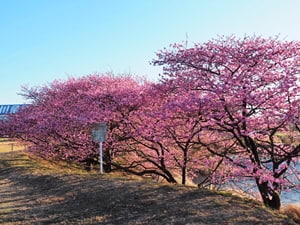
99	135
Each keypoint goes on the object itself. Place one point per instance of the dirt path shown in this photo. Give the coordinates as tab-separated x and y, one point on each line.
40	193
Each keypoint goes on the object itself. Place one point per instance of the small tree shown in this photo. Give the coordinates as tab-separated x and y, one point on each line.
164	134
249	89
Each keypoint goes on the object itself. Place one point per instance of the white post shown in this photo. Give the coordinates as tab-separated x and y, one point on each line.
100	158
98	135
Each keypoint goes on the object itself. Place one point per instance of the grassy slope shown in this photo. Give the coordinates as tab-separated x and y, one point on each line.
34	191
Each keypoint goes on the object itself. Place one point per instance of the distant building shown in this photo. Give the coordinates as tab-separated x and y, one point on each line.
9	109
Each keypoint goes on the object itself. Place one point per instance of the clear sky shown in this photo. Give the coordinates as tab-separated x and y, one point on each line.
43	40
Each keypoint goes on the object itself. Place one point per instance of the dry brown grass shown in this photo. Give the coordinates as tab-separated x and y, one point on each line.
293	211
35	191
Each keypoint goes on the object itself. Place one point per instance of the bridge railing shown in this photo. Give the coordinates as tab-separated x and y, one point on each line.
8	145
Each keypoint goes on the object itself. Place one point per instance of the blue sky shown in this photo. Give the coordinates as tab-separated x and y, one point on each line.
43	40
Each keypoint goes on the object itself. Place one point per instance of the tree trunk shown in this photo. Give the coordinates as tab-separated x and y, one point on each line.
164	173
89	164
183	175
183	169
168	176
107	166
270	197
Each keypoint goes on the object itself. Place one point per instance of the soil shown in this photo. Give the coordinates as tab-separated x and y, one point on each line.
35	191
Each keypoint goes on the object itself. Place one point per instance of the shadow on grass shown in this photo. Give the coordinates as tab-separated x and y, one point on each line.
32	197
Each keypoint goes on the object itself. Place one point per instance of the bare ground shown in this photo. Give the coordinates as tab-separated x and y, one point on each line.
33	191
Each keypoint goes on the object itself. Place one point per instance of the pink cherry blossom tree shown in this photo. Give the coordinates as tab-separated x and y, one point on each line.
249	89
148	131
59	119
166	134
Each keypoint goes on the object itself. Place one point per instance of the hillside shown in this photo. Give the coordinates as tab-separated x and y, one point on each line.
34	191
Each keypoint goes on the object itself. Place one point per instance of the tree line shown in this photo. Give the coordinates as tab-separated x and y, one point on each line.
227	108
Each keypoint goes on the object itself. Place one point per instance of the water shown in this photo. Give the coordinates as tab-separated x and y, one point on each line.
291	197
249	187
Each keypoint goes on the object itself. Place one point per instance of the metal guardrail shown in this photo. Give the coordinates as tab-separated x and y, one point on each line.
9	146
